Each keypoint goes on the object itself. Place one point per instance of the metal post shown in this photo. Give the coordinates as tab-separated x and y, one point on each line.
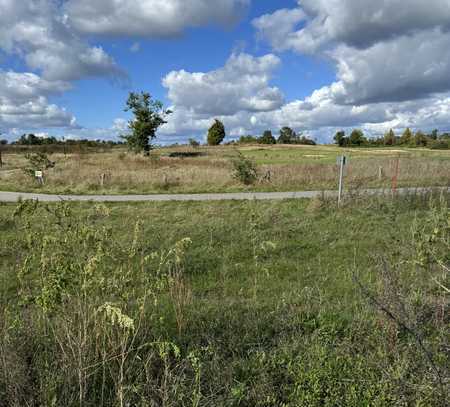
341	180
395	177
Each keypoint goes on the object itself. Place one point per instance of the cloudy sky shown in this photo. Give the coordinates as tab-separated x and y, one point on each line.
66	66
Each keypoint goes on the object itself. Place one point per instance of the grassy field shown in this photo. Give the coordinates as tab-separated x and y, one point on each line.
287	303
280	168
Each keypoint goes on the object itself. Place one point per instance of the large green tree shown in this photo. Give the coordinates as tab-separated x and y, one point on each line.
340	138
389	138
216	133
267	138
357	138
149	115
407	137
420	139
287	136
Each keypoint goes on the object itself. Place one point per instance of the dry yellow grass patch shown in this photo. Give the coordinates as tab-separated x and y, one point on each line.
122	172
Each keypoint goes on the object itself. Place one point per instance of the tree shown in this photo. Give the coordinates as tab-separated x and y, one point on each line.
420	139
216	133
389	138
357	138
407	137
249	139
29	140
267	138
434	134
287	136
340	138
194	143
149	115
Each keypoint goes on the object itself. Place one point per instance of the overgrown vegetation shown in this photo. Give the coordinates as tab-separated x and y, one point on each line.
207	169
238	304
37	162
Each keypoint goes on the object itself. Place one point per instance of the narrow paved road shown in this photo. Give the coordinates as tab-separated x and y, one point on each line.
238	196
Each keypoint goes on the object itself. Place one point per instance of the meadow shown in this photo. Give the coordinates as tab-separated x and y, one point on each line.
290	303
209	169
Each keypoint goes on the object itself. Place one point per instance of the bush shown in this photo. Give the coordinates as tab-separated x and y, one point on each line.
440	145
37	162
244	170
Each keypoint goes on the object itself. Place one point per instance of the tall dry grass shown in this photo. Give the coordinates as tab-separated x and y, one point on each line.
120	172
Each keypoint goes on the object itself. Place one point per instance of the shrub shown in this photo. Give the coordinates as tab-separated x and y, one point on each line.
37	162
244	170
440	145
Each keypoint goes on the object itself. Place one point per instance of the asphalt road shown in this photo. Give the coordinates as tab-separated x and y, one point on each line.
238	196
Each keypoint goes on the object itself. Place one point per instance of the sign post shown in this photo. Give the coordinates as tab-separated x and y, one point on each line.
342	162
39	177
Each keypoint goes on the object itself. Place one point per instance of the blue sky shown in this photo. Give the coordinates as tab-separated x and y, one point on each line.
197	50
66	67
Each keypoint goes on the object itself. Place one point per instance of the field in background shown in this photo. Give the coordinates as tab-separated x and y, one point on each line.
269	305
281	168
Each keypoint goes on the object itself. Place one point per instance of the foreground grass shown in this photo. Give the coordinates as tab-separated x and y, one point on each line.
281	168
267	306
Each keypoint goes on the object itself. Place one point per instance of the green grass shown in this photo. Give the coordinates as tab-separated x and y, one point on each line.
279	324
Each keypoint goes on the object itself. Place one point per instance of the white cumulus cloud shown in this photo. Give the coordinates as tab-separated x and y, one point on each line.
241	85
36	31
24	103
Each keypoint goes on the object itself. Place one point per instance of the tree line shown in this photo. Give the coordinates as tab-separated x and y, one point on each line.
287	136
357	138
33	140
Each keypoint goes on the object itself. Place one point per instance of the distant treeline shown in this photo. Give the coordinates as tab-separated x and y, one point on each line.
53	145
434	140
287	136
33	140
